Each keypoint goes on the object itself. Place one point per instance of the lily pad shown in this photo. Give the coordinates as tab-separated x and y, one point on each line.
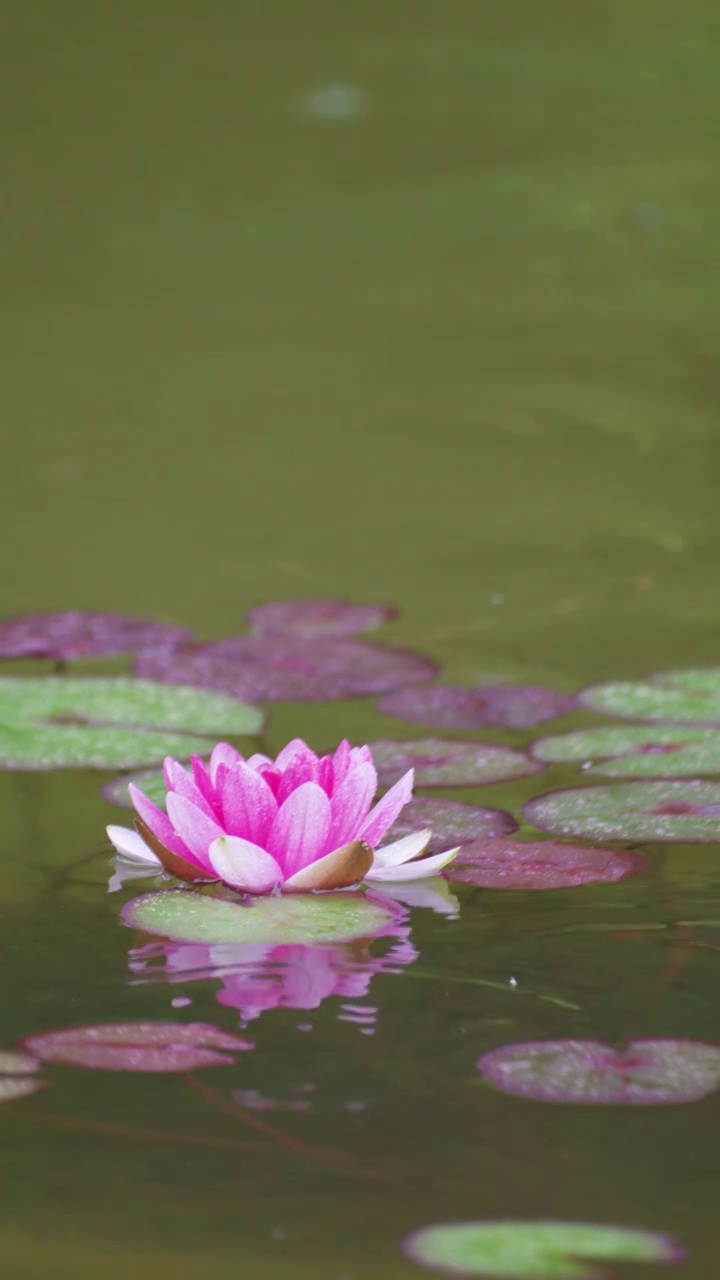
268	668
317	619
446	762
642	1073
626	751
452	822
61	637
685	697
183	916
540	864
138	1046
52	722
542	1250
510	706
657	811
150	781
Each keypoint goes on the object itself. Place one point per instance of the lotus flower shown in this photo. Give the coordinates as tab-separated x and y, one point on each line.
295	824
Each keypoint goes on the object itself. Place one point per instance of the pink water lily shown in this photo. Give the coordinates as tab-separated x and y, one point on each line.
298	823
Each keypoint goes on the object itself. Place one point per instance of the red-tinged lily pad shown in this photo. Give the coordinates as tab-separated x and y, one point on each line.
449	706
541	1250
682	697
627	751
649	811
317	619
138	1046
452	822
290	669
586	1072
446	762
540	864
62	637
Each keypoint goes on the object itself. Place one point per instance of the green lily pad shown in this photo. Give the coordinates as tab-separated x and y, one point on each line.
56	723
685	697
658	811
632	751
543	1250
150	781
185	916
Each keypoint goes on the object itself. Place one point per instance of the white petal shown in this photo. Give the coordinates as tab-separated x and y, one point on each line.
391	855
244	865
131	845
129	871
413	870
433	892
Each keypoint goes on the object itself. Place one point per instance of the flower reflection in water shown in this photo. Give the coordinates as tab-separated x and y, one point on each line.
257	977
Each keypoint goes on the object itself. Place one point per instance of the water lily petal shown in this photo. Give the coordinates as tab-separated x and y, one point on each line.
248	806
327	775
157	822
223	753
387	810
351	803
244	865
404	850
413	870
300	830
341	761
203	782
286	755
183	868
337	870
303	767
178	779
194	827
131	845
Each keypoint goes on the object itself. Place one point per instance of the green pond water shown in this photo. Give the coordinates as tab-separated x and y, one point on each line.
445	336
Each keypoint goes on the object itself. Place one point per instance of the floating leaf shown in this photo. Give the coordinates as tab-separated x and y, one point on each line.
270	669
14	1087
52	722
150	781
686	697
445	762
449	706
540	864
138	1046
64	636
661	811
452	822
542	1250
626	751
193	917
317	619
643	1073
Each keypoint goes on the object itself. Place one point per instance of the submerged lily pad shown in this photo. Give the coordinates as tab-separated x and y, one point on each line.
150	781
138	1046
446	762
542	1250
64	636
56	723
686	697
657	811
268	668
510	706
626	751
317	619
452	822
193	917
643	1073
540	864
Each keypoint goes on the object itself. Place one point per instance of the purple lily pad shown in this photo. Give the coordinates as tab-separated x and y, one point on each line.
317	619
657	811
137	1046
540	864
62	637
451	706
452	822
642	1073
289	669
447	762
